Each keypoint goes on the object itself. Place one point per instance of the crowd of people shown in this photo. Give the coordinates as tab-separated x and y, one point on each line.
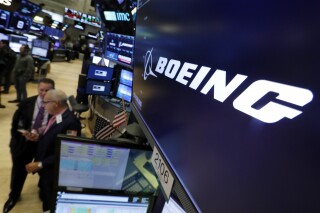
35	125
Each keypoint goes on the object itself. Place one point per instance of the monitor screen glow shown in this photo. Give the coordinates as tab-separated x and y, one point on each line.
91	164
126	77
16	41
124	92
98	88
4	18
100	72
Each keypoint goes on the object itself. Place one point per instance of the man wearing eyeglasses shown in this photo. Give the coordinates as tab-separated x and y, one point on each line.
63	121
23	150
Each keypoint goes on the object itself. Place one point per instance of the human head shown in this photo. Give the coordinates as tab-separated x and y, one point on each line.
4	43
24	49
55	101
45	84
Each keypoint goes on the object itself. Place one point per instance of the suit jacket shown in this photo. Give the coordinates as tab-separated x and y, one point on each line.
46	144
22	119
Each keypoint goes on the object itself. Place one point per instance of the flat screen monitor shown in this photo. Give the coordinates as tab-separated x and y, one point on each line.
37	28
97	72
28	8
53	32
92	35
40	48
126	77
124	92
86	164
19	22
66	201
119	48
4	18
16	41
4	36
79	25
98	60
98	88
223	96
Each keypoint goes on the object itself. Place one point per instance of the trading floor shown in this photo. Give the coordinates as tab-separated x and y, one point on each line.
65	75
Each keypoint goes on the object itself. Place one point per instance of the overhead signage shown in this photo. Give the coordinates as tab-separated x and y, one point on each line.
116	16
189	74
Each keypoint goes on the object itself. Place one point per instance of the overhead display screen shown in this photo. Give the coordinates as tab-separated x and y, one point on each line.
28	8
20	22
4	18
230	95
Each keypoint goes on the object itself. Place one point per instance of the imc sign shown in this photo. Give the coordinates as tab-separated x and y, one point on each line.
9	5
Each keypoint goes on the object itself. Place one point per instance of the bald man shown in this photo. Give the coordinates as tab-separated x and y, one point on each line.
63	121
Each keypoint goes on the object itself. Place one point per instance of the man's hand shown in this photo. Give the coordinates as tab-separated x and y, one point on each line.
33	167
31	136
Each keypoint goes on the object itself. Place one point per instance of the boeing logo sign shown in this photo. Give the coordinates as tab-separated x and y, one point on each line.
116	16
190	75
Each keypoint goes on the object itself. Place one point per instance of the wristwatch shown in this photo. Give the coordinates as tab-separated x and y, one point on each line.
40	165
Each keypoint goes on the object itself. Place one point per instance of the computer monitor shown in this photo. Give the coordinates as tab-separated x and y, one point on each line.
28	8
4	18
95	87
40	48
90	165
16	41
79	25
37	28
72	201
97	60
56	33
4	36
19	22
119	48
97	72
126	77
124	92
224	81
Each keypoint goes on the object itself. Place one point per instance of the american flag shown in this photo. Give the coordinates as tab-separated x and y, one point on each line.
104	129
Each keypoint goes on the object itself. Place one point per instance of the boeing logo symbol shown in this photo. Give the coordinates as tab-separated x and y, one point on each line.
148	65
190	75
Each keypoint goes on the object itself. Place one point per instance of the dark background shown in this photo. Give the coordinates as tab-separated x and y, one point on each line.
227	160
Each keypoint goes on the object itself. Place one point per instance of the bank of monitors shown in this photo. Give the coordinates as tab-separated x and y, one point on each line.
119	48
124	89
40	48
4	18
99	80
16	41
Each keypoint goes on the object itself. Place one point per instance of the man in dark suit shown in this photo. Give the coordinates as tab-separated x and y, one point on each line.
23	150
63	121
